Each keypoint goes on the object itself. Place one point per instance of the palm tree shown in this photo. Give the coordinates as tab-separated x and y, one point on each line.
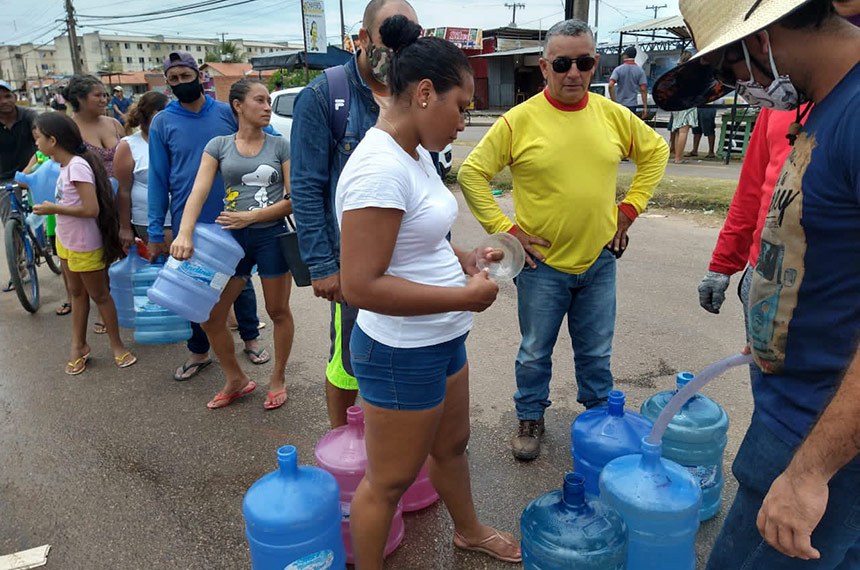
227	52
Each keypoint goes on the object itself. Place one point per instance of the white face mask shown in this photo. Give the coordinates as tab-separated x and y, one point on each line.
780	95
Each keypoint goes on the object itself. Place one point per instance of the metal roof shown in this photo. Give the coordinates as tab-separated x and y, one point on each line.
522	51
672	24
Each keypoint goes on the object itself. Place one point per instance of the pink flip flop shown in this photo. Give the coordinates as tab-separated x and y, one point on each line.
223	400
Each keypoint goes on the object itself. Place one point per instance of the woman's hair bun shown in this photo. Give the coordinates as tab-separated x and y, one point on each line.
399	32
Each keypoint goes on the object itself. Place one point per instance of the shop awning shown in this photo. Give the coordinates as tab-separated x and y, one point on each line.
296	58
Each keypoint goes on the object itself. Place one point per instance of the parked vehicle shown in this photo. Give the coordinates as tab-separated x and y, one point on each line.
282	109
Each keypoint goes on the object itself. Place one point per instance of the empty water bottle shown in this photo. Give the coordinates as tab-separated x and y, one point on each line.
659	500
563	530
190	288
601	434
121	275
342	453
695	438
154	324
292	518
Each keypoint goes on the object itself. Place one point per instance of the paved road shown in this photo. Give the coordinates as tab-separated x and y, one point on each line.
695	168
128	469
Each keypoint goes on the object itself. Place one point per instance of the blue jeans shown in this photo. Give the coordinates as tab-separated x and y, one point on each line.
545	296
246	315
761	458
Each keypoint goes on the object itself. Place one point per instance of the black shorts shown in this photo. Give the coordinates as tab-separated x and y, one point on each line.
707	122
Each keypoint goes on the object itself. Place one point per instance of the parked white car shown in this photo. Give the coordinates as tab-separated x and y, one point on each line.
282	110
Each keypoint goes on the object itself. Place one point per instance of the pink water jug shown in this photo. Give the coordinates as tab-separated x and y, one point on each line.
420	494
342	453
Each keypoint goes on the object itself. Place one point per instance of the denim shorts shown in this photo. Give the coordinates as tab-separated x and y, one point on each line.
404	378
263	249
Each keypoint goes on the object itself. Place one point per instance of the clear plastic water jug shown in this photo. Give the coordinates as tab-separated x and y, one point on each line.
659	500
121	275
191	288
292	518
599	435
696	439
512	262
153	324
565	530
342	453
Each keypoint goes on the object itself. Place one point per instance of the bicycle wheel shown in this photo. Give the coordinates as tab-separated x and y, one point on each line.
49	252
21	259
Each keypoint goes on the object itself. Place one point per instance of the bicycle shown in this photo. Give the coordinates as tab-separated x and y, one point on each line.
26	249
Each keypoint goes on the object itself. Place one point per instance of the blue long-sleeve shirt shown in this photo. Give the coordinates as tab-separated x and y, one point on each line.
177	138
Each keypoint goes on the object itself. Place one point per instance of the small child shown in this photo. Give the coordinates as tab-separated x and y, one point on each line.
87	233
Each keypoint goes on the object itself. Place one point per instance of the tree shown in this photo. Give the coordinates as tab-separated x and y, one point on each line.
226	52
295	78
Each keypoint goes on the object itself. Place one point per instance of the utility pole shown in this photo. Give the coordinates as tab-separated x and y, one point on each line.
342	25
515	5
73	38
576	9
596	20
655	8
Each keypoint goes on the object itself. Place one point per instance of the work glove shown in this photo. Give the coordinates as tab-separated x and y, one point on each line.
712	291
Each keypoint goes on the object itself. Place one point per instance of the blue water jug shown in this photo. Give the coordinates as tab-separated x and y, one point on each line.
191	288
154	324
659	500
599	435
292	518
696	439
564	530
122	287
42	183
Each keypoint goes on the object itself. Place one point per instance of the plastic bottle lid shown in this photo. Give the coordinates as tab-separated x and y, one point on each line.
288	460
573	491
616	403
684	378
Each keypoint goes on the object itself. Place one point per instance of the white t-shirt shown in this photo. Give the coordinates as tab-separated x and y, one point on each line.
139	189
380	174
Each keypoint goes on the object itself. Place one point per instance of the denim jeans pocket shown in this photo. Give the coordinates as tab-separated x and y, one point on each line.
360	346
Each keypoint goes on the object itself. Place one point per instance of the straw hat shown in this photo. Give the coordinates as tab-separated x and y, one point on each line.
714	24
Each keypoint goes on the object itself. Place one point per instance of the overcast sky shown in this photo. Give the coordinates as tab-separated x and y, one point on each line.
279	20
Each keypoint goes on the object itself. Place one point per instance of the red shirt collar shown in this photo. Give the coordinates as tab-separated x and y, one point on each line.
630	62
566	106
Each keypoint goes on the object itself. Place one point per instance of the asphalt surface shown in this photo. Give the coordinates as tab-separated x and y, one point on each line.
128	469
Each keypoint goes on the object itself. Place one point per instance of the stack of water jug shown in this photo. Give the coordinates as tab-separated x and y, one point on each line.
280	516
159	299
652	494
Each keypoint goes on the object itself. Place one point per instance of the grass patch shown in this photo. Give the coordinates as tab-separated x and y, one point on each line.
684	192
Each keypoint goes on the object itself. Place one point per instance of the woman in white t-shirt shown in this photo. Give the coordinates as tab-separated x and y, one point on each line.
131	169
416	294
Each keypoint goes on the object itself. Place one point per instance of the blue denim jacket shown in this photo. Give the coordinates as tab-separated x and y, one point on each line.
316	163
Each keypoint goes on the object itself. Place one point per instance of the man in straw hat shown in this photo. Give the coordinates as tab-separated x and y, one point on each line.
798	468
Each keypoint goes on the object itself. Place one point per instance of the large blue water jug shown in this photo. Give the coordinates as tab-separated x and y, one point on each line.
122	287
154	324
659	500
292	518
42	184
564	530
696	439
191	288
599	435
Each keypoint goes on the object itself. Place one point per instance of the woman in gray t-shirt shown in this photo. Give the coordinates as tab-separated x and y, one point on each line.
256	171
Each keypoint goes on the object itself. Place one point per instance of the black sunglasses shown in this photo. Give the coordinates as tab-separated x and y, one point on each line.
563	64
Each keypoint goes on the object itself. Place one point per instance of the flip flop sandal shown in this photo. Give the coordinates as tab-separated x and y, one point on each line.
257	357
64	309
260	325
8	288
270	404
78	366
125	360
194	368
486	546
99	328
221	400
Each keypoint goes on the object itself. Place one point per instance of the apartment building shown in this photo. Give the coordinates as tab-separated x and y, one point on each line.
20	62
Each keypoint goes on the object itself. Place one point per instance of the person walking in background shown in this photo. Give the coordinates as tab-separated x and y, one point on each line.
256	170
566	218
87	234
706	119
318	156
119	105
177	137
798	468
131	168
628	82
416	293
682	122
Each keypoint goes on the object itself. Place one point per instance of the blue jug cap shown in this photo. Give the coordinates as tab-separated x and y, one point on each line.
684	378
616	403
288	460
573	492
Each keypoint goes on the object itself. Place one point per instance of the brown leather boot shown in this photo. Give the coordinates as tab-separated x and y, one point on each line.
526	444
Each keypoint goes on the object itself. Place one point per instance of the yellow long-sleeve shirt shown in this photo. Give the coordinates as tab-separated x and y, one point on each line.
564	160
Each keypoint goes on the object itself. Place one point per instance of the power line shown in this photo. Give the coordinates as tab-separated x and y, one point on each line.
157	12
96	24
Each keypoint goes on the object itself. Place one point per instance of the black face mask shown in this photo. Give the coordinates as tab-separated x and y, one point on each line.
187	92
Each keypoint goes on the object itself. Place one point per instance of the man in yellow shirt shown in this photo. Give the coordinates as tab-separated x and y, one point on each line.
563	147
